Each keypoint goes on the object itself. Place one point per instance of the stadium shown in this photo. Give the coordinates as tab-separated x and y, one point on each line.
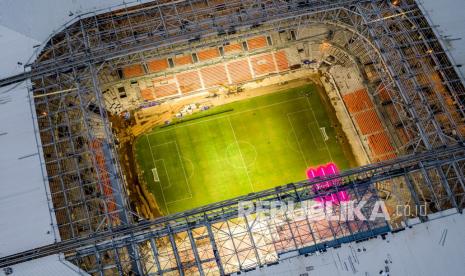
155	121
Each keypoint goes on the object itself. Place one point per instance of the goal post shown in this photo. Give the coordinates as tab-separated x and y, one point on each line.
323	133
155	175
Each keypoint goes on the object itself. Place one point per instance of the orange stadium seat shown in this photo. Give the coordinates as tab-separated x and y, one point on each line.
189	81
96	146
135	70
392	113
368	121
357	101
263	64
232	48
281	61
257	43
402	134
157	65
147	94
215	75
388	156
165	86
383	93
183	60
165	90
380	144
239	71
208	54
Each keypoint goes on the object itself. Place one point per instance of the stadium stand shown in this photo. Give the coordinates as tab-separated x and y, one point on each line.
239	71
383	94
157	65
147	94
180	60
208	54
189	81
165	86
132	71
368	121
96	146
281	60
263	64
379	144
232	48
358	101
361	108
214	75
256	43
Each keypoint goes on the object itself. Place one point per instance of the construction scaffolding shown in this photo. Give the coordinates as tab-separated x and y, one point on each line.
97	228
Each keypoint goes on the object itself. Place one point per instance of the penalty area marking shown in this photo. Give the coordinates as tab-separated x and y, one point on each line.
167	175
296	138
314	117
166	171
161	188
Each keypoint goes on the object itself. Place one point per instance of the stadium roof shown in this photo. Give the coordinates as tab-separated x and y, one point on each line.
53	265
425	249
26	222
446	18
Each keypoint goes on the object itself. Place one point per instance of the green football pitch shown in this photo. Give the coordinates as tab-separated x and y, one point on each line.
240	148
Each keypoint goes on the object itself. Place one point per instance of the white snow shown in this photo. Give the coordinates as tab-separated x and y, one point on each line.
53	265
25	219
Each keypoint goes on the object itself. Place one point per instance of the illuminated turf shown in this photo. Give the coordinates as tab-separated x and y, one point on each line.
246	146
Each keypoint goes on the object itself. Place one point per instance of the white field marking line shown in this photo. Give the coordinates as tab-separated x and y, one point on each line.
184	170
162	144
161	188
167	174
242	157
166	171
297	140
311	133
314	138
224	116
318	124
